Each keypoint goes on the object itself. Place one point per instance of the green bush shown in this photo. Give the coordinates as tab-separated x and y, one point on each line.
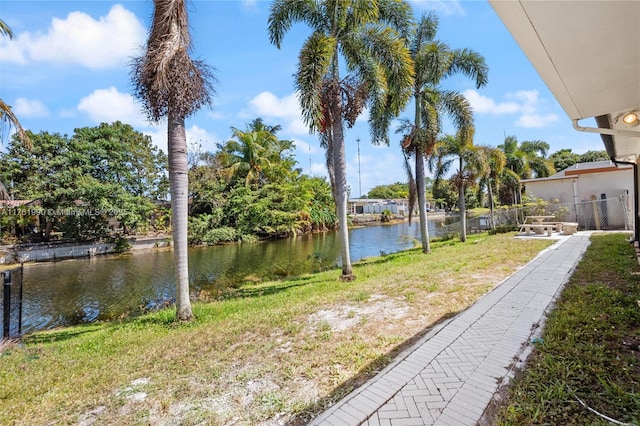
503	229
220	235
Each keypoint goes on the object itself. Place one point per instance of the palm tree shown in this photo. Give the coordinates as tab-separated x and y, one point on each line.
7	117
363	38
524	160
255	153
434	62
491	177
472	163
170	84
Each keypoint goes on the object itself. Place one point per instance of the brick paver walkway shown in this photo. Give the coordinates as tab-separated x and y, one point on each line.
450	375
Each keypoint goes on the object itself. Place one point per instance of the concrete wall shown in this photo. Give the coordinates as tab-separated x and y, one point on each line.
50	252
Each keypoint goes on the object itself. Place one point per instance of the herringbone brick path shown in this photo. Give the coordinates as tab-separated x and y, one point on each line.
450	376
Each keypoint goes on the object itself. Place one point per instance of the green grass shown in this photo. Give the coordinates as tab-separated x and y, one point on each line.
589	347
284	349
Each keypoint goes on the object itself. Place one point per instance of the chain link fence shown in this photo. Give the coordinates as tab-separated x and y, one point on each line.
594	214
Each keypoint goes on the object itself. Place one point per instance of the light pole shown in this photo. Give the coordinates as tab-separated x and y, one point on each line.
359	178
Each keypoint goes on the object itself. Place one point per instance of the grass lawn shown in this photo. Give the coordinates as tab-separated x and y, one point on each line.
589	349
266	353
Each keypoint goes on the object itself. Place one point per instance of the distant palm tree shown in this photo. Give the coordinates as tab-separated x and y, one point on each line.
434	62
524	160
254	152
7	117
365	39
496	160
472	163
170	84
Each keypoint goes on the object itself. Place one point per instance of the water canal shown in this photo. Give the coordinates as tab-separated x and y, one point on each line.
108	287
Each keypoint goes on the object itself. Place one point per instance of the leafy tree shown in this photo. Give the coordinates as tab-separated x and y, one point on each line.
365	39
321	208
393	191
434	62
591	156
471	163
564	158
524	160
207	184
110	171
172	85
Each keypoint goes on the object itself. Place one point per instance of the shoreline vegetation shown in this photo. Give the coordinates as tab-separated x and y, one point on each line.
269	353
12	255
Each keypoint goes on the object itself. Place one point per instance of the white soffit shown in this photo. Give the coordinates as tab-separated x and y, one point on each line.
587	52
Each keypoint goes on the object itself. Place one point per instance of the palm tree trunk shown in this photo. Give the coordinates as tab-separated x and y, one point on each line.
462	206
178	177
491	213
342	195
422	201
420	183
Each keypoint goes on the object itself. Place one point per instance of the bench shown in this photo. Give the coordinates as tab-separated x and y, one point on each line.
549	228
569	228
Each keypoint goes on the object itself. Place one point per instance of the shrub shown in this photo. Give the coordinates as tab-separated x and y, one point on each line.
220	235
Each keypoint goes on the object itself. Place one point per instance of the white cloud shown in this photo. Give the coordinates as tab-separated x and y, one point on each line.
109	41
199	136
250	5
29	108
526	103
484	104
536	120
268	105
109	105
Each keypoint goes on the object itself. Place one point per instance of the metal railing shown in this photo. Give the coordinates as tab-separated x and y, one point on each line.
11	302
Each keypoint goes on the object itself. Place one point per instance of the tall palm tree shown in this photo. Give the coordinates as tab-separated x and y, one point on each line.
363	38
7	117
434	62
170	84
471	162
524	160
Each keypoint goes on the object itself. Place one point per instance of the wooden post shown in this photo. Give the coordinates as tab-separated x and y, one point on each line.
596	212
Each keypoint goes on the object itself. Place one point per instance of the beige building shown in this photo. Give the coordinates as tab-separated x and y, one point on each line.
599	191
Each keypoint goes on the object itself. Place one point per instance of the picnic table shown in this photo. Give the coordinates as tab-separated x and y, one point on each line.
539	226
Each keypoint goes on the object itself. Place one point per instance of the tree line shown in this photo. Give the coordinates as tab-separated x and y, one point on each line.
112	178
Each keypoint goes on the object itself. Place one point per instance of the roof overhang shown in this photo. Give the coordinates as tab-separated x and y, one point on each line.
588	54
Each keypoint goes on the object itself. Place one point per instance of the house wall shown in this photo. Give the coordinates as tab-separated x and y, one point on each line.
580	188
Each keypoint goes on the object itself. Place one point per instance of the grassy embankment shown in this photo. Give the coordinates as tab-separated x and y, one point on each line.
271	351
589	350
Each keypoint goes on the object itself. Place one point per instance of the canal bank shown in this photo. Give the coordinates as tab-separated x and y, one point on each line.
43	252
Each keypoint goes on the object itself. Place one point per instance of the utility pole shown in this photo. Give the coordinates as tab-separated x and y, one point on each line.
359	178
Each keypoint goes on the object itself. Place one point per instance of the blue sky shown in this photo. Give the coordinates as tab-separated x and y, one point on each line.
67	67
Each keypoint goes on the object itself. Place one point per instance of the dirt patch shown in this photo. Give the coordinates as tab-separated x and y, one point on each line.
341	318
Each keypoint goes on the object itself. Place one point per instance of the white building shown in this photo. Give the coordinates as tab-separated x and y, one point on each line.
600	190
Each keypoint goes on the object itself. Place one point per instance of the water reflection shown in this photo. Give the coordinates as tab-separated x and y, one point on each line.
109	287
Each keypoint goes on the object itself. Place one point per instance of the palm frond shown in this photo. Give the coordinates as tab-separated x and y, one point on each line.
314	62
8	118
5	30
471	64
